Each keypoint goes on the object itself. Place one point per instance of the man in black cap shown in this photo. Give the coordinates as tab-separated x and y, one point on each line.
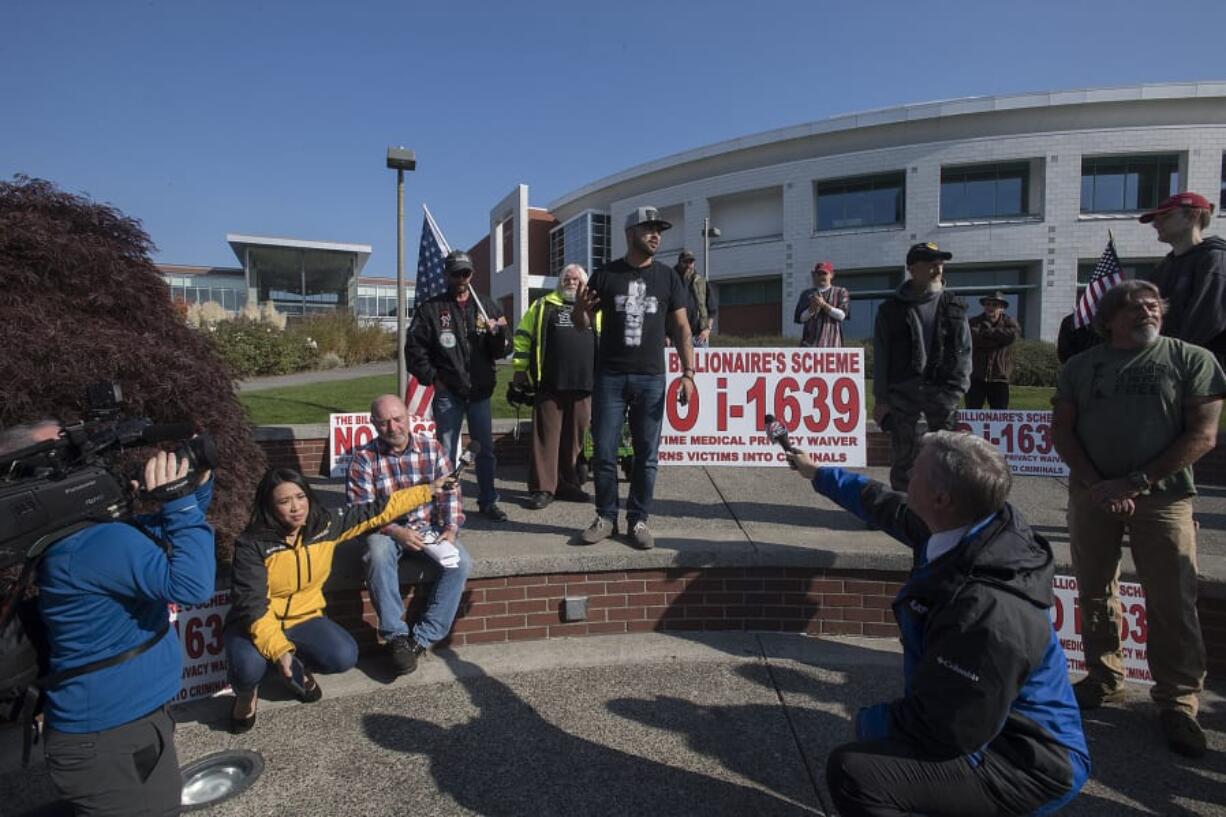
636	296
993	334
452	344
921	357
699	307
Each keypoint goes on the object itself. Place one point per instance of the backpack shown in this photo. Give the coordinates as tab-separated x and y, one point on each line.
25	653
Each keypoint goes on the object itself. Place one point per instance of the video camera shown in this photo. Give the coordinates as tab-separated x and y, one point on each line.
55	487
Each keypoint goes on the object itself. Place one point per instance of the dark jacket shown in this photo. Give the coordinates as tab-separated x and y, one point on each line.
1073	341
899	358
983	669
451	344
1195	285
992	348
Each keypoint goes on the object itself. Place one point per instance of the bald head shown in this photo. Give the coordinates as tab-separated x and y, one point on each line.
391	421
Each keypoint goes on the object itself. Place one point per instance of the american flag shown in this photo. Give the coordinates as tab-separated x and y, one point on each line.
430	282
1107	273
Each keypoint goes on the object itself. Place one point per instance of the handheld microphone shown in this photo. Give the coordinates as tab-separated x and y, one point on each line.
465	460
778	433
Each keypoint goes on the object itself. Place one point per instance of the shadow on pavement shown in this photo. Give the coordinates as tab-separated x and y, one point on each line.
508	760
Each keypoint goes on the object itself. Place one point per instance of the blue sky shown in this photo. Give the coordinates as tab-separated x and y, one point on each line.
273	118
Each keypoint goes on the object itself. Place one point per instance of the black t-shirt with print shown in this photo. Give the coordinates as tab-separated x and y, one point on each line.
635	304
570	353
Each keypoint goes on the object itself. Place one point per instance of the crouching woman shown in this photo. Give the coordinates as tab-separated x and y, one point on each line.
281	562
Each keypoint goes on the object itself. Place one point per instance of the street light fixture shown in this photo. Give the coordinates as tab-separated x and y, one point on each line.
400	159
708	232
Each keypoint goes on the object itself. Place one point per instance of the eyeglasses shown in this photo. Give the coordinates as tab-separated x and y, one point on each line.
460	273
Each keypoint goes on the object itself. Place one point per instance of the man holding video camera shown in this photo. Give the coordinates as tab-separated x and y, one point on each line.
103	596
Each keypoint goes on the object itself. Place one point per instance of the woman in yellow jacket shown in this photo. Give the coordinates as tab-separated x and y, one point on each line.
281	562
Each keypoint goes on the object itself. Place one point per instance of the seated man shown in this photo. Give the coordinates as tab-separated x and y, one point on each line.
987	723
400	459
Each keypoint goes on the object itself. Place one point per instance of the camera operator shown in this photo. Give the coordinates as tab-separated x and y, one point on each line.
987	722
103	594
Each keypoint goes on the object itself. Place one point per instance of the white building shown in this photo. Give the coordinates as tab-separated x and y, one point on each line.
1023	190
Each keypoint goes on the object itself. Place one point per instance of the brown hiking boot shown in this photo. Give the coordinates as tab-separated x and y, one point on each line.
1183	734
1091	693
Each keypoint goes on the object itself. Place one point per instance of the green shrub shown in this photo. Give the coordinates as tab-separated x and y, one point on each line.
1034	363
753	340
341	334
254	348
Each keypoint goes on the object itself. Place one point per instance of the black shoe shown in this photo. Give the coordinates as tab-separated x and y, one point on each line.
540	500
404	652
311	691
1183	734
494	513
240	725
571	493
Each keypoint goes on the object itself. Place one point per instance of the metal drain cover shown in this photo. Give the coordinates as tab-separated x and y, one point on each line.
218	777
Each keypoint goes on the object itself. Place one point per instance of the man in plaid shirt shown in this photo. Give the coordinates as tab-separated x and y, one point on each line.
397	459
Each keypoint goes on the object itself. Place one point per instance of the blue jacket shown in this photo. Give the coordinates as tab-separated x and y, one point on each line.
105	590
983	670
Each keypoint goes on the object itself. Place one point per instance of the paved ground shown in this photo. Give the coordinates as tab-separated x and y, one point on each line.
317	376
736	724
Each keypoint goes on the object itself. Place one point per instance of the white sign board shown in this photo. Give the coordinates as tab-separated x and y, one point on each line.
204	655
1024	437
349	431
818	394
1134	629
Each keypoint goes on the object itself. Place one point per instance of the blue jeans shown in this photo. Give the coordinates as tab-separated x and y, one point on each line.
612	395
382	560
321	644
449	413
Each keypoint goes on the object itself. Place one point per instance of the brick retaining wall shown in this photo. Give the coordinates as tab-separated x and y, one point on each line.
517	608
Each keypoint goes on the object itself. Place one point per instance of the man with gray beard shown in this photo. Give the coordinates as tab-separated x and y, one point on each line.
1131	417
921	357
556	359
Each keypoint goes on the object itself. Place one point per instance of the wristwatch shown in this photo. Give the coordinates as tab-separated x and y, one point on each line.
1139	480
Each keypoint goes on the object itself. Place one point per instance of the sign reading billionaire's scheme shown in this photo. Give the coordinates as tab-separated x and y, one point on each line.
818	394
1134	628
1024	437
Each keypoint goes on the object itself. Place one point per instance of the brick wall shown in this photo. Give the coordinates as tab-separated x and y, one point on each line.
517	608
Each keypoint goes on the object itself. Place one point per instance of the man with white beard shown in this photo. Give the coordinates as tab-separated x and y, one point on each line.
1131	417
556	359
921	357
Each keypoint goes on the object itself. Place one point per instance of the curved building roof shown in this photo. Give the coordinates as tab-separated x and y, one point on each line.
1151	105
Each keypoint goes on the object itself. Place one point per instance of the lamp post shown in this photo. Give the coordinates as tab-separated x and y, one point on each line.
707	233
400	159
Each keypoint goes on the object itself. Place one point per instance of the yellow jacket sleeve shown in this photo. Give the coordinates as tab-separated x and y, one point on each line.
355	520
268	637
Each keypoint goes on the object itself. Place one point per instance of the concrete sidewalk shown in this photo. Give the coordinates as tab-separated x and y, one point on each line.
317	376
705	724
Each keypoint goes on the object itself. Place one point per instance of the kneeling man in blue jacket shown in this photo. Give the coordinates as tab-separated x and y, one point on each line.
987	722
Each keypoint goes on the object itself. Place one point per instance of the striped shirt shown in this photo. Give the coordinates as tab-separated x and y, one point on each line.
376	472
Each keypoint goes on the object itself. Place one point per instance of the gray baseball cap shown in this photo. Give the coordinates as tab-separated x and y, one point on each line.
646	215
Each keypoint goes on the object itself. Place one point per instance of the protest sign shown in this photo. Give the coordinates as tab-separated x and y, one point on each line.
199	628
1134	629
353	430
1024	437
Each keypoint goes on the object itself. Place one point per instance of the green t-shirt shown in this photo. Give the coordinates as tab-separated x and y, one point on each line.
1130	403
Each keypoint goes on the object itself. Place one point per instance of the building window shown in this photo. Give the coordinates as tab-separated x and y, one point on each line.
584	239
1142	269
1127	184
868	291
1221	200
746	293
985	191
868	201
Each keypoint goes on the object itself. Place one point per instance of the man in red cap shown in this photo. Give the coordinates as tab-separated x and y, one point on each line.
1192	277
822	308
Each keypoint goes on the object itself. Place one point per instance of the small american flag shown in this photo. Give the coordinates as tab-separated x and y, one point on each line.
1107	273
430	282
